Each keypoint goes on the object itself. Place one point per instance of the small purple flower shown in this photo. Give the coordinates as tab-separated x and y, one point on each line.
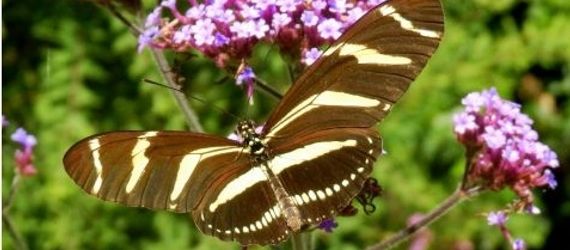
24	156
23	138
518	244
247	77
260	29
309	18
494	137
338	6
146	38
310	56
182	35
280	20
330	29
171	4
328	225
550	179
221	39
496	218
153	19
464	122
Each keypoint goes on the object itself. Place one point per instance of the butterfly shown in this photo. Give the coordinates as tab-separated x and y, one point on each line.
309	161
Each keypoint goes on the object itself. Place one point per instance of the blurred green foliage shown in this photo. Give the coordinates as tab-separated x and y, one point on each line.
71	70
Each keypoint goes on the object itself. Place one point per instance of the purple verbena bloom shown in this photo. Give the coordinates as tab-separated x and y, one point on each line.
496	218
23	138
309	18
518	244
227	31
506	150
24	156
247	77
330	29
464	122
146	38
153	19
310	56
280	20
328	225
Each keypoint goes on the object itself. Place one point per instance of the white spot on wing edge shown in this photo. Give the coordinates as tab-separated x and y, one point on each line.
94	147
139	161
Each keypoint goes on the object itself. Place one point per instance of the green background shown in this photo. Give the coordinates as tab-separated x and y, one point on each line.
71	70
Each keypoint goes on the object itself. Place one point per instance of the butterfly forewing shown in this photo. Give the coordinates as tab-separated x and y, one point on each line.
358	79
153	169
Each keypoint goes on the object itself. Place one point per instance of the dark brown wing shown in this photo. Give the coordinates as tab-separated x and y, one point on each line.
181	172
359	78
323	171
322	134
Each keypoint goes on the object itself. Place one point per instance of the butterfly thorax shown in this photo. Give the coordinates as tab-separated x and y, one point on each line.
251	139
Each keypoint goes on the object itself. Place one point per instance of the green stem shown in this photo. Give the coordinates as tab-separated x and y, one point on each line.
19	242
454	199
301	241
270	91
165	71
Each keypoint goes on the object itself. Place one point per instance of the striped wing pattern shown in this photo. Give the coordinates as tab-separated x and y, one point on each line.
364	73
320	140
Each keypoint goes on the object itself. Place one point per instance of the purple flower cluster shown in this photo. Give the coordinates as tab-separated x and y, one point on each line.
506	151
24	156
228	30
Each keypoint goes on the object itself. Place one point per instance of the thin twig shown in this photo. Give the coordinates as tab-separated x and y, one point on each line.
132	28
181	100
10	200
457	197
19	242
270	91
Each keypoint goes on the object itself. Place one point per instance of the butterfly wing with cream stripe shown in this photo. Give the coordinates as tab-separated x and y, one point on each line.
157	170
359	78
337	163
322	132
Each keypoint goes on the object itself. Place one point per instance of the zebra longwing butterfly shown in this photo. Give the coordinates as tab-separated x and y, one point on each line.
315	151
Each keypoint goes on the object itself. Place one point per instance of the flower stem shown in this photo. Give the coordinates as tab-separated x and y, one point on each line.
457	197
301	241
268	89
19	242
182	101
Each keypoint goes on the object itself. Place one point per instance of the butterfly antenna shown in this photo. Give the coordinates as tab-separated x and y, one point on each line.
192	97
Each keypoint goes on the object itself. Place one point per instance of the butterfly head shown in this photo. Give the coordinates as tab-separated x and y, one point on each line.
251	138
